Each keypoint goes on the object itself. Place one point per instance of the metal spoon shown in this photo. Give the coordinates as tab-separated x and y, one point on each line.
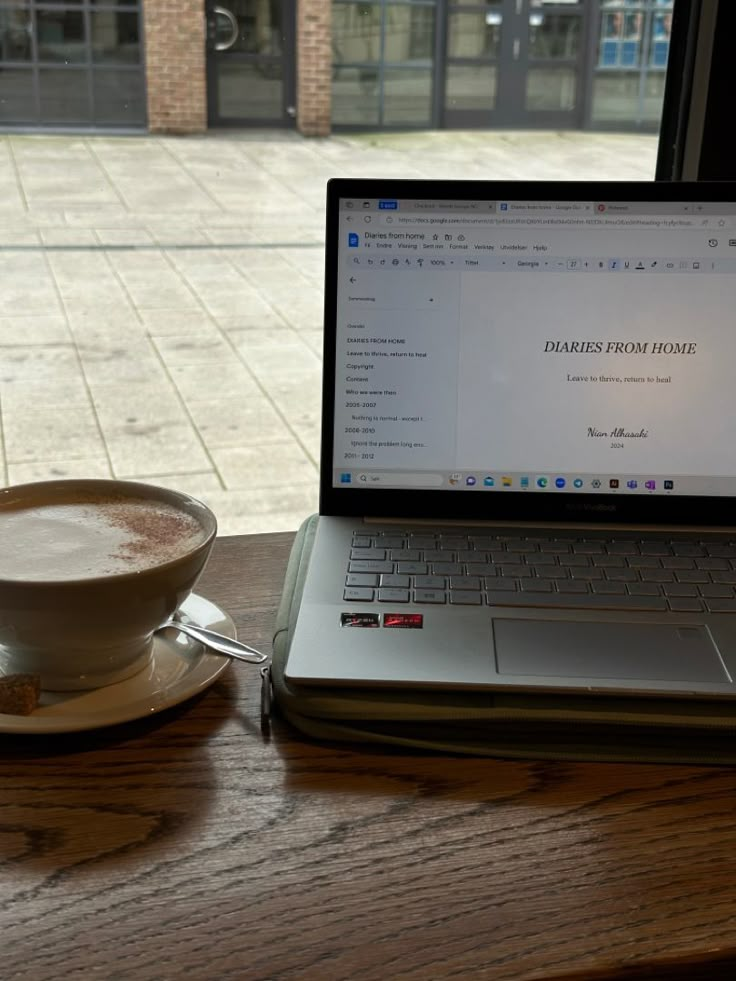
217	642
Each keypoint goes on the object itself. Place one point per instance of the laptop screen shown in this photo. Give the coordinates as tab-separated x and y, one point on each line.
532	339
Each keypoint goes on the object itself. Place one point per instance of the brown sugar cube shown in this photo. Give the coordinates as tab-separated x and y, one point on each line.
19	693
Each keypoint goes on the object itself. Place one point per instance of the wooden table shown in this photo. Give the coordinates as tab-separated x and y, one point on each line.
188	846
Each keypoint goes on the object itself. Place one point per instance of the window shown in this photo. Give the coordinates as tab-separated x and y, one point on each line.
631	62
71	64
383	62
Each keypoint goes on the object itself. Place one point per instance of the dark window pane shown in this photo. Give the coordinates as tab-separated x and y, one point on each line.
551	89
249	91
356	33
17	102
407	97
660	43
471	36
421	37
355	97
470	87
249	27
554	36
64	96
115	37
119	98
61	36
409	33
620	97
15	34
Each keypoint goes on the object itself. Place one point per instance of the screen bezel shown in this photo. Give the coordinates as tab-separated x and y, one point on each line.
476	505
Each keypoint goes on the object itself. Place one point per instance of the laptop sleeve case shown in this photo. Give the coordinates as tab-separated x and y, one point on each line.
562	727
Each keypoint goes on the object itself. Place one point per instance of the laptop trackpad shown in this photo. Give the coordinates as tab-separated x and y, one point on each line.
615	650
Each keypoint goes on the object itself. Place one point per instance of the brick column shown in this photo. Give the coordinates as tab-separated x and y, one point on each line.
174	32
314	67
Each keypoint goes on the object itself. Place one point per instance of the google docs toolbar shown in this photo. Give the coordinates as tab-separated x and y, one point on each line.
557	264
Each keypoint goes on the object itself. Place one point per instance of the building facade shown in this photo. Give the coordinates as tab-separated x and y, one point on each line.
183	66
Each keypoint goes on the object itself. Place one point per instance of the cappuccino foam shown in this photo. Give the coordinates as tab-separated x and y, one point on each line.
90	537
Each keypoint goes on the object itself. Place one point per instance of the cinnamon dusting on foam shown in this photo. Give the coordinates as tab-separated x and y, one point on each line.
155	533
91	536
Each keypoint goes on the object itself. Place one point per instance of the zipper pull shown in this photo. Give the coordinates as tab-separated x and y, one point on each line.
266	700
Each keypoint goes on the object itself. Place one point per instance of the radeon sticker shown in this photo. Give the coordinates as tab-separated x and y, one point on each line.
359	620
408	621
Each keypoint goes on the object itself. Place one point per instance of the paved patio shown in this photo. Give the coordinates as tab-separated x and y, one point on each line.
161	298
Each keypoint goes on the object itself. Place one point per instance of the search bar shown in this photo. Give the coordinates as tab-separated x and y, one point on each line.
377	478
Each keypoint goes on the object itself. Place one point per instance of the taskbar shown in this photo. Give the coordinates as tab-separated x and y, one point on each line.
484	481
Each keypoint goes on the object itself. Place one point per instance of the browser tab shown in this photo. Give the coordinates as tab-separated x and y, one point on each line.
545	207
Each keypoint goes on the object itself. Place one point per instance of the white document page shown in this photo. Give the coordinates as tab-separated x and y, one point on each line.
597	372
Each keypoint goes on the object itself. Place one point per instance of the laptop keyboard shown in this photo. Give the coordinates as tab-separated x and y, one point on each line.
562	572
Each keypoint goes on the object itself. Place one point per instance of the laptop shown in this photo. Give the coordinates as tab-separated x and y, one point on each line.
528	462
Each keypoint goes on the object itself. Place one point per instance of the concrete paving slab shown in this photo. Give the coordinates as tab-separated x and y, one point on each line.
206	348
45	363
26	286
106	317
116	237
84	467
266	467
51	432
228	379
130	404
197	484
165	322
16	237
159	446
36	330
120	364
161	297
235	422
17	394
67	238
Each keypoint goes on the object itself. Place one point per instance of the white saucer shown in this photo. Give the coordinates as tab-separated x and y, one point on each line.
179	668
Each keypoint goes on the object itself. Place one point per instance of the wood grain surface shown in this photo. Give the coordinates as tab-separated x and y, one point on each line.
188	845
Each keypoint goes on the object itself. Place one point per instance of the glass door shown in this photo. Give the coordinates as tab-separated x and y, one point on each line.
550	57
514	63
250	62
474	54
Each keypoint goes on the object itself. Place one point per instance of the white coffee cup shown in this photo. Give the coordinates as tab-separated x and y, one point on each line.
89	570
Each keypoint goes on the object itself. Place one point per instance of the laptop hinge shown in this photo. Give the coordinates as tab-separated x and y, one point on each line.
576	526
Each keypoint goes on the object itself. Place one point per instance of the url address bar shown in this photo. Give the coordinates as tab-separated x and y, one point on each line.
597	221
